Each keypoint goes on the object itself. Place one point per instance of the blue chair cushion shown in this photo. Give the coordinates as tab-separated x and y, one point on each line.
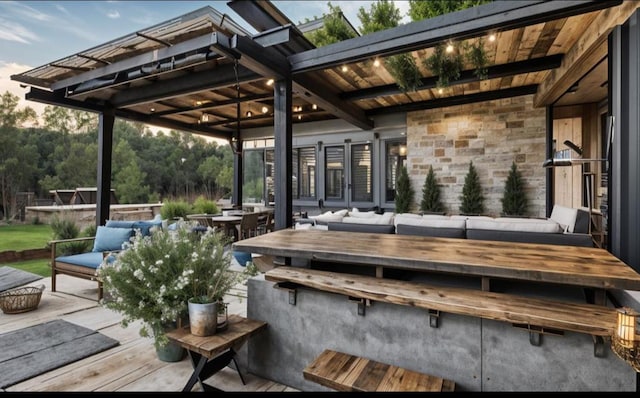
89	260
119	224
110	239
145	226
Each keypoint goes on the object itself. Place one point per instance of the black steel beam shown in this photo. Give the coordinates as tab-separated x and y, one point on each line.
456	100
148	58
105	148
261	15
219	77
283	137
215	104
49	98
467	76
464	24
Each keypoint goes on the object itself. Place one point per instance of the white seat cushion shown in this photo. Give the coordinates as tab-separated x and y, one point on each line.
565	216
515	224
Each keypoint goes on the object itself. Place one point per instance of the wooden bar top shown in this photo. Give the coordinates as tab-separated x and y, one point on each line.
570	265
238	331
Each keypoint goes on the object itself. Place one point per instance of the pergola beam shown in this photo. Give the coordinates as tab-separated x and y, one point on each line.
458	25
467	76
456	100
588	50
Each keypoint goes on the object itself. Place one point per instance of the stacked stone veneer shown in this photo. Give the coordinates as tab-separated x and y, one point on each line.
492	134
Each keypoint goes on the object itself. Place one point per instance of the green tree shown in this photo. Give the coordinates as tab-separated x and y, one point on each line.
404	191
129	184
431	194
420	9
334	29
514	199
382	15
18	159
472	199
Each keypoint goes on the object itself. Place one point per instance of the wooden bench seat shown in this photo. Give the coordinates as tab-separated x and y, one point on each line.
344	372
591	319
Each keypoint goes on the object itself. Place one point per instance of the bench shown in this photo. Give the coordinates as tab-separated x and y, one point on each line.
344	372
536	314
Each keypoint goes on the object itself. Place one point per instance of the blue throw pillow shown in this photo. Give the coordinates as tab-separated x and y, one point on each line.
110	238
119	224
145	226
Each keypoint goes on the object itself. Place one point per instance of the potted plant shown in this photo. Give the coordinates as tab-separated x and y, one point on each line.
472	198
153	278
431	194
514	198
404	191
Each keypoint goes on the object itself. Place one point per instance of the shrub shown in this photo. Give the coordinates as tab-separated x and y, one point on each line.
404	192
431	194
65	228
206	206
175	209
472	199
514	200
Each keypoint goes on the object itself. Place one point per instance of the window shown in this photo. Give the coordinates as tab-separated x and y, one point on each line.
304	167
334	176
253	176
395	157
361	173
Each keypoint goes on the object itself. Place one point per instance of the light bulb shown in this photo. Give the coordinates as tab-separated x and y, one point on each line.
249	113
265	109
376	63
449	48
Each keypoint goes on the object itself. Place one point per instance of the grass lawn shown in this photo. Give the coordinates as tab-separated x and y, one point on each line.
26	236
39	267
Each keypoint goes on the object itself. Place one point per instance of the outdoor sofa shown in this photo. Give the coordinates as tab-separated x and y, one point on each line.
108	239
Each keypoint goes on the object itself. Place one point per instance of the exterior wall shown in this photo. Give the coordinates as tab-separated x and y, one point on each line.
492	134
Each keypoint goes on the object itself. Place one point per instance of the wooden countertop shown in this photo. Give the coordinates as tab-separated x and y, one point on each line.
570	265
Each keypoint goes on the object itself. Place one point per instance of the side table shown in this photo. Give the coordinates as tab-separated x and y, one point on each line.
210	354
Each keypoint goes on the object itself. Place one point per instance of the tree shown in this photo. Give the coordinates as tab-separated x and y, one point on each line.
335	29
431	194
403	68
129	184
472	199
404	191
420	9
514	200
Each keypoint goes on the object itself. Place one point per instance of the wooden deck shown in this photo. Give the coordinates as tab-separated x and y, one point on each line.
131	366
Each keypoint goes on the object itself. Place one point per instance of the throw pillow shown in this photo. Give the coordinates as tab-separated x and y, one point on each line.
110	238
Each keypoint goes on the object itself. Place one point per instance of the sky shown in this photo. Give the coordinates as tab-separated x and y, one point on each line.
34	33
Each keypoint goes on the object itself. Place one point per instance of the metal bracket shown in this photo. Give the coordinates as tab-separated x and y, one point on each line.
291	287
598	347
434	318
362	303
536	332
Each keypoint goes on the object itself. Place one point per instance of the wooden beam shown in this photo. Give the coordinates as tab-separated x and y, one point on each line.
456	100
590	48
464	24
467	76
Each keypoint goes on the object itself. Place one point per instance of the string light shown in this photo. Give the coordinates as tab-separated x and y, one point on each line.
376	63
299	117
492	38
249	113
265	109
344	68
449	48
314	107
270	82
440	91
205	117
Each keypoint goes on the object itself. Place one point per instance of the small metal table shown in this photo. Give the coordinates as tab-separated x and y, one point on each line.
211	354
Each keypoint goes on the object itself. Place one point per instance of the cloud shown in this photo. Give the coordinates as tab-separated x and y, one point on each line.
24	11
6	84
113	14
13	31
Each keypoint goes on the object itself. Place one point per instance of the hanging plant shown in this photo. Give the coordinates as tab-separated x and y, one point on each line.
477	56
446	66
404	71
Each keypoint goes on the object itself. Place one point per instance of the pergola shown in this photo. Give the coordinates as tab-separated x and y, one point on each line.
203	73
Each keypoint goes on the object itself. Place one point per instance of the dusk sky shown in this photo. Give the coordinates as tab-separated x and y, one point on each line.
34	33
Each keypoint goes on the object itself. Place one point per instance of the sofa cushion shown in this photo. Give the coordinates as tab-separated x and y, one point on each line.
326	217
354	227
119	224
110	239
439	232
89	260
384	219
433	222
567	239
565	216
515	224
146	226
361	214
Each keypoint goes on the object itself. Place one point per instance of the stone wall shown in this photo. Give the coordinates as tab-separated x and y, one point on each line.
492	134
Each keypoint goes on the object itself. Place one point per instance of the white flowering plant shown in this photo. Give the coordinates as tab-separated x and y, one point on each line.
154	276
